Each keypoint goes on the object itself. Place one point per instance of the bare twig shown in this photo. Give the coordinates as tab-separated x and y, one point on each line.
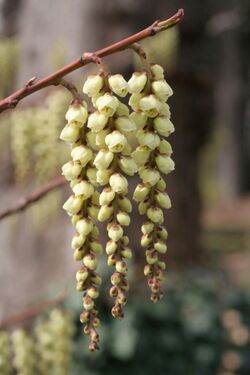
24	202
34	85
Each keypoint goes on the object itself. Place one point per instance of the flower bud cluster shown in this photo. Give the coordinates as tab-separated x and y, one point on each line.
153	157
23	347
5	354
82	206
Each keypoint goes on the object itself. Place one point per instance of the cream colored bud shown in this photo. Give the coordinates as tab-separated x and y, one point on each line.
73	205
123	218
79	254
84	226
70	133
111	261
90	261
115	141
100	138
77	241
141	192
93	211
143	206
96	279
165	148
125	204
116	278
122	109
134	101
103	176
157	71
155	214
81	154
162	232
150	105
151	257
163	126
76	115
118	85
71	170
73	183
126	253
95	97
149	176
165	163
82	274
80	287
161	89
165	110
137	82
111	247
107	104
105	212
84	189
147	227
139	118
146	239
103	159
95	198
160	246
125	240
162	198
93	85
93	292
91	140
127	165
141	155
95	232
125	124
75	219
88	303
84	317
147	138
127	148
106	196
115	232
97	121
121	267
118	183
96	247
161	185
91	174
148	269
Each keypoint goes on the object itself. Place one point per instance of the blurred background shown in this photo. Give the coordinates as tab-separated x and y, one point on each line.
202	326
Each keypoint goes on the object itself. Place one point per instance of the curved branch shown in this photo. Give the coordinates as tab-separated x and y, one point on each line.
24	202
34	85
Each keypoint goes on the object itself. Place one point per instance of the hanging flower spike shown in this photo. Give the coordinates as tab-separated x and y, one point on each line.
82	206
153	157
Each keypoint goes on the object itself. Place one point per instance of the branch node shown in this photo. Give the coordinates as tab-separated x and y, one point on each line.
30	82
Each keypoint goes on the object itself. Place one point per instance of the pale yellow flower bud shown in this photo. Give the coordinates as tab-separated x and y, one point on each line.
96	279
111	261
95	97
78	240
146	239
91	140
147	227
79	254
115	232
134	101
165	110
105	212
81	154
143	206
123	218
84	226
95	232
71	170
148	269
139	118
100	138
111	247
141	155
97	121
76	115
125	204
84	189
95	197
163	126
121	267
157	71
107	104
162	265
127	165
162	198
151	257
160	246
88	303
103	176
165	148
90	261
162	232
127	253
150	105
155	214
147	138
96	247
93	85
149	176
70	133
125	240
82	274
91	174
115	141
137	82
106	196
118	183
161	185
122	109
118	85
93	211
161	89
73	205
103	159
125	124
75	219
141	192
93	292
165	163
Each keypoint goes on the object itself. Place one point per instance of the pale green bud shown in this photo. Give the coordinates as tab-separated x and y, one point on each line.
73	183
123	218
103	176
162	232
96	279
97	121
148	269
79	254
134	101
149	176
161	185
155	214
141	192
151	257
91	174
118	85
84	317
165	110
163	126
165	147
165	163
147	227
76	115
160	246
162	198
162	265
161	89
149	139
115	232
95	232
93	292
122	109
111	261
126	253
105	212
88	303
111	247
73	205
150	105
90	261
100	138
157	71
91	140
81	154
75	219
141	155
106	196
93	85
127	165
118	183
70	133
121	267
84	226
84	189
93	211
116	278
125	204
139	118
146	239
137	82
127	148
107	104
125	240
71	170
82	274
78	240
80	287
98	95
143	206
125	124
115	141
103	159
95	197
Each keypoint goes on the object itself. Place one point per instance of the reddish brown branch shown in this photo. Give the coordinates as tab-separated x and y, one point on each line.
33	312
34	85
24	202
